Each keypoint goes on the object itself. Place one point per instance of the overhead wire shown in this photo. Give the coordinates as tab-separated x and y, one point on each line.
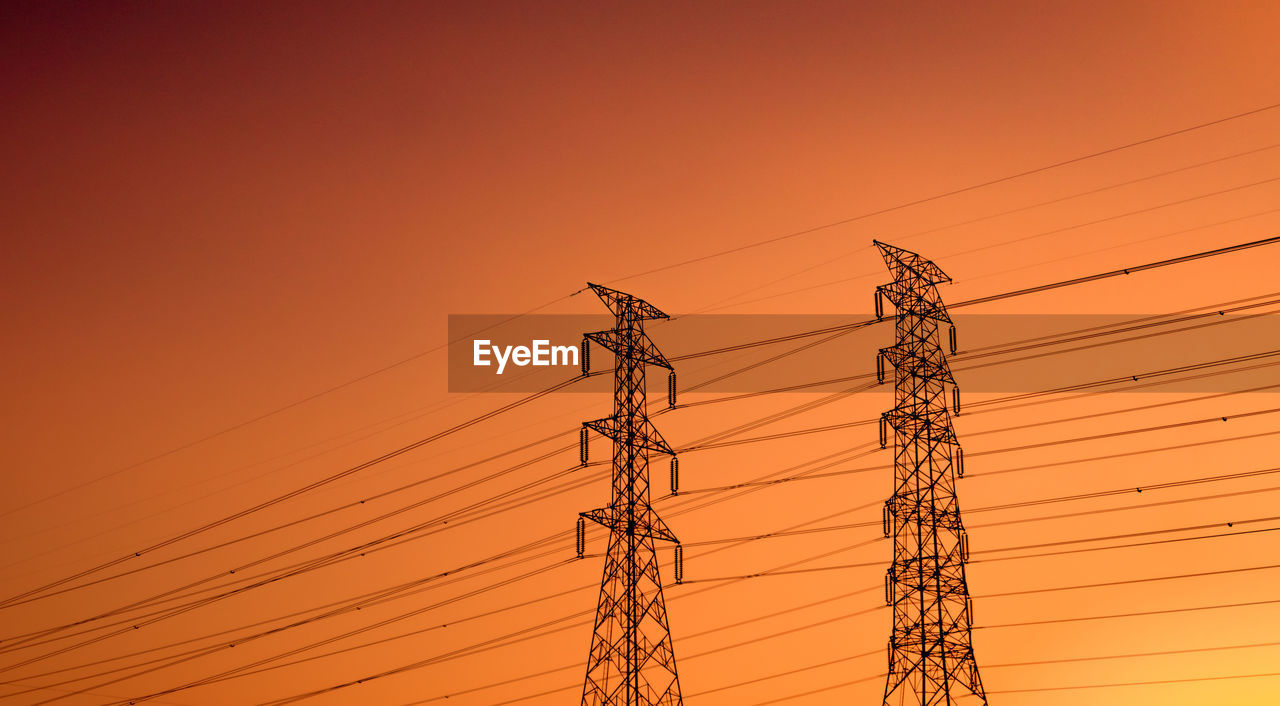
721	303
807	522
293	493
827	621
475	420
945	194
810	403
1092	658
272	413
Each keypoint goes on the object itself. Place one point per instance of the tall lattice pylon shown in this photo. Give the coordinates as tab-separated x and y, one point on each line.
930	649
632	661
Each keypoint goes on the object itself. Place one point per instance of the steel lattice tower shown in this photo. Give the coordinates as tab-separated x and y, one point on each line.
632	661
930	649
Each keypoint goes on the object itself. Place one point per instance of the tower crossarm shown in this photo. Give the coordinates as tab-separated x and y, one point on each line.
641	523
933	427
906	265
916	362
907	297
636	346
623	304
638	433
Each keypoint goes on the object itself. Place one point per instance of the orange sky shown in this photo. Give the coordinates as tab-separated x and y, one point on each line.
212	211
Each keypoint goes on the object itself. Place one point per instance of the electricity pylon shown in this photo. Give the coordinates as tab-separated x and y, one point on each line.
930	649
632	661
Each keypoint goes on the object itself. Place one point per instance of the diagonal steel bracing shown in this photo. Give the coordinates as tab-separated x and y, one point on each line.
931	658
632	661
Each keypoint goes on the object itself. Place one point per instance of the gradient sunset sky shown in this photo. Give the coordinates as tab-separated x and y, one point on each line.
234	232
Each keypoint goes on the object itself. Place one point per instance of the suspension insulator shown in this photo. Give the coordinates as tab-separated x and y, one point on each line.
884	432
880	368
671	389
679	564
968	607
582	446
959	462
955	400
888	588
888	518
582	537
891	655
675	475
964	546
953	340
586	356
879	305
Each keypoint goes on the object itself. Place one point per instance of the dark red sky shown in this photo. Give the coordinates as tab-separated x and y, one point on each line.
212	210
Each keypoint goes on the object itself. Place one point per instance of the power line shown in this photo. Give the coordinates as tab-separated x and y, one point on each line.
1135	614
1040	234
353	504
310	565
790	672
953	192
269	577
267	415
401	591
307	566
363	601
258	580
685	594
1133	581
15	599
1124	244
821	690
295	569
1153	682
724	648
1089	658
727	432
325	513
1170	484
1116	217
1134	655
830	620
293	493
850	658
1217	316
720	303
1121	272
1042	501
839	330
189	655
1036	555
1129	582
1095	415
424	663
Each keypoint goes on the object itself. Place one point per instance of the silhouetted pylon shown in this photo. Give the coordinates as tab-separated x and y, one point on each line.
632	661
930	649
